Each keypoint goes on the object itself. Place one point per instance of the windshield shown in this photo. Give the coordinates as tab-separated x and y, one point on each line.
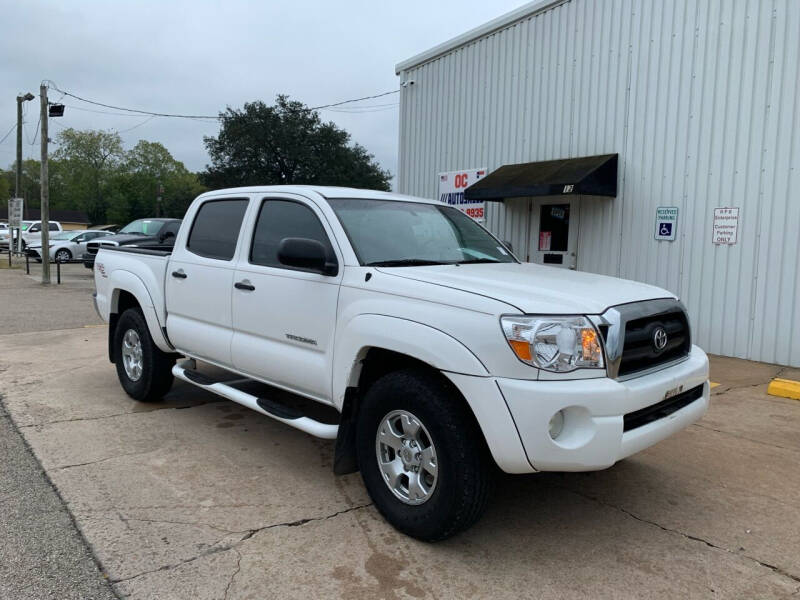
25	225
143	227
396	233
65	235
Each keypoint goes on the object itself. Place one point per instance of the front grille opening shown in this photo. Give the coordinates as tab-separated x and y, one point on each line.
639	354
663	409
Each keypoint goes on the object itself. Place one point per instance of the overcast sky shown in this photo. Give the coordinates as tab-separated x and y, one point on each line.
199	57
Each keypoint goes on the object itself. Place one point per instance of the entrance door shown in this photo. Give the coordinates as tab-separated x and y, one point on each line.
554	232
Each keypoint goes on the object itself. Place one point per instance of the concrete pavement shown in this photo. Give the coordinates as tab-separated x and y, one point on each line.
199	498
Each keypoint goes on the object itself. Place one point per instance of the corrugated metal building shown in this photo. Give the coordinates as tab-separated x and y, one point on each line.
698	98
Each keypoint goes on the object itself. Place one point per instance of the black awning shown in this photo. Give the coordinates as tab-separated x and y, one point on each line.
590	175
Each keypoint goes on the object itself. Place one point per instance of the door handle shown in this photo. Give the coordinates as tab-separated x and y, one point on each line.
179	274
244	285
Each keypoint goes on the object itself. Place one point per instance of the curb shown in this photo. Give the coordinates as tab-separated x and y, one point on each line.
785	388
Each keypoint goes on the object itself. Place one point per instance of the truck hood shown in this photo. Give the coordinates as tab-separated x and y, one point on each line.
535	289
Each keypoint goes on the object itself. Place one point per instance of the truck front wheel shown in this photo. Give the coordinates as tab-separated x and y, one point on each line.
422	455
144	371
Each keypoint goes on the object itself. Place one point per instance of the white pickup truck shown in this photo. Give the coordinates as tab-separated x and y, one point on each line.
442	354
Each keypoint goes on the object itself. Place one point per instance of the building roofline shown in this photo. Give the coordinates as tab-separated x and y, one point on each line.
527	10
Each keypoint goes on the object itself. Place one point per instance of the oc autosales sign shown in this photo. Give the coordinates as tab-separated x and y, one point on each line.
451	191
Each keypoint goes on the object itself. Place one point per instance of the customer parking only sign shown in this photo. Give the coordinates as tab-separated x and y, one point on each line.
451	191
666	223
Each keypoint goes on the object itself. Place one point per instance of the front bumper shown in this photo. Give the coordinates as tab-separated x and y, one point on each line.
594	409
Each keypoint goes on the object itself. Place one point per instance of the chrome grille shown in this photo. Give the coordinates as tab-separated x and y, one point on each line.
629	333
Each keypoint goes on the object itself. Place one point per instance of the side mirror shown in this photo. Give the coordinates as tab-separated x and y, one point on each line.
307	254
508	245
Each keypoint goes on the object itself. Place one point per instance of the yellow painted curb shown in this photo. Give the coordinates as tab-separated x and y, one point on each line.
712	384
785	388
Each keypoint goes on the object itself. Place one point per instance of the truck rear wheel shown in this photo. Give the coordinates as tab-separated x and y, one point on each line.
144	371
422	455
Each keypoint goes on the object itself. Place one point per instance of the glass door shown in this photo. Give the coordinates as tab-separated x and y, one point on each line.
554	232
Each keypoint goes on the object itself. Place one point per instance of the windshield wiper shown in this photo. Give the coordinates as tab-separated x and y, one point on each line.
405	262
473	261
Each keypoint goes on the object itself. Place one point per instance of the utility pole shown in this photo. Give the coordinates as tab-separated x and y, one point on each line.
45	185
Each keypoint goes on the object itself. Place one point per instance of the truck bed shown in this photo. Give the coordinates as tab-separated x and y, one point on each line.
145	267
162	250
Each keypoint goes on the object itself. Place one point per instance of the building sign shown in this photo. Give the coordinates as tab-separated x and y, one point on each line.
545	240
666	222
725	229
14	213
451	191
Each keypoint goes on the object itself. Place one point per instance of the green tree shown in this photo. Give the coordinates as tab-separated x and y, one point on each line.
29	182
5	188
150	166
89	161
284	144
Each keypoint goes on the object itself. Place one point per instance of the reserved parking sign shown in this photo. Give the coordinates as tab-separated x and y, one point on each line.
666	223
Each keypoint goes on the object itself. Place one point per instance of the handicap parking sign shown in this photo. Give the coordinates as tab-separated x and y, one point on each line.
666	222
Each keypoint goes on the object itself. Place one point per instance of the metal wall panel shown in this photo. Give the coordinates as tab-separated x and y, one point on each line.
699	98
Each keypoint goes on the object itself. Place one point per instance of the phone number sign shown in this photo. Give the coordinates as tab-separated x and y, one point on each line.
451	191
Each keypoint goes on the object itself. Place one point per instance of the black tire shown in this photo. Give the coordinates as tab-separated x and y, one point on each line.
156	377
464	468
63	251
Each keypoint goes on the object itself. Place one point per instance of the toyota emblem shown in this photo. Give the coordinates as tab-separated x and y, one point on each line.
660	339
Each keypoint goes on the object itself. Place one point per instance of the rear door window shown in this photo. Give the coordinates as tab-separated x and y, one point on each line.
216	226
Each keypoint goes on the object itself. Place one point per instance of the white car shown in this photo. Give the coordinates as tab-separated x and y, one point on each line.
31	233
440	351
66	245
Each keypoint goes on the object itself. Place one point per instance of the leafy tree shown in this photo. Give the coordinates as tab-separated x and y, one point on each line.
5	188
29	182
284	144
90	159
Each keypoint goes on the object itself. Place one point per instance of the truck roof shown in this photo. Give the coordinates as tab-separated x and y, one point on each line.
323	190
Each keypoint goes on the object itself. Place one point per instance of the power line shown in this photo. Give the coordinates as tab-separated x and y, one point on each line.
147	120
183	116
35	133
13	127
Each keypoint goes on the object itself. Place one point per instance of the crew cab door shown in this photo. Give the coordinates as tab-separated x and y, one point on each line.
284	317
199	279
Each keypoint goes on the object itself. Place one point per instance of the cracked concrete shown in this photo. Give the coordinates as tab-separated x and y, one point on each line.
219	502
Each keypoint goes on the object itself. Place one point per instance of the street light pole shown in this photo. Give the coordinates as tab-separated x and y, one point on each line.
18	178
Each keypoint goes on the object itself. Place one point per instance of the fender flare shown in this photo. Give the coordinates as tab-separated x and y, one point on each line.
423	342
121	280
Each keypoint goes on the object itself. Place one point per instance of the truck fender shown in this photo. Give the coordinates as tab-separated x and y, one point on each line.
439	350
120	280
423	342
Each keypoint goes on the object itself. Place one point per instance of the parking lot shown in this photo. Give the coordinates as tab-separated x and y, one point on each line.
196	497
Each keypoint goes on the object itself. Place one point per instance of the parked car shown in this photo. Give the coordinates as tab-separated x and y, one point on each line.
439	349
6	234
66	245
141	233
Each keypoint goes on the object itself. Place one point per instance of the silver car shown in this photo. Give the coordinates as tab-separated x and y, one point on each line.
66	245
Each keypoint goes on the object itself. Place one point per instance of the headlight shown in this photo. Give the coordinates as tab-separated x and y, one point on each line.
558	344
